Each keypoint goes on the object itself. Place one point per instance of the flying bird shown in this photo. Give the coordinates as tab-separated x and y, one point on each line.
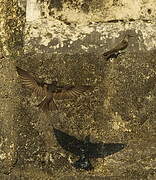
118	48
86	149
50	91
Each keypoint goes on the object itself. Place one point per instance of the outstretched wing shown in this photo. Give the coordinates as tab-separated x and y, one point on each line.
66	92
69	143
101	150
30	82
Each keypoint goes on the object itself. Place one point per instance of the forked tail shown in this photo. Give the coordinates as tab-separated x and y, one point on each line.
83	163
48	104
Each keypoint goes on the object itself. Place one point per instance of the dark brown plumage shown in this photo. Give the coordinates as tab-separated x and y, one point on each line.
50	91
116	50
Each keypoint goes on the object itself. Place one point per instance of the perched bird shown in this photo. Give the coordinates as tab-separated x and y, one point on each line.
85	149
117	49
50	91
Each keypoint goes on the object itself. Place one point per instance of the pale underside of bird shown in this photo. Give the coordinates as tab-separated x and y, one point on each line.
118	48
50	92
85	149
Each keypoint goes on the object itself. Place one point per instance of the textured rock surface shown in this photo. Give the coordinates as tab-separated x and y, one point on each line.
65	40
84	11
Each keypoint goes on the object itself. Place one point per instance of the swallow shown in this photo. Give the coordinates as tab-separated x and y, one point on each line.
118	48
50	91
85	149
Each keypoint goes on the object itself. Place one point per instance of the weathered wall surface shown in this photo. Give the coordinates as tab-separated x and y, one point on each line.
10	45
85	11
65	40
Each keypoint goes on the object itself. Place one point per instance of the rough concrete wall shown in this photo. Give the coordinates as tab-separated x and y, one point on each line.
10	45
65	40
85	11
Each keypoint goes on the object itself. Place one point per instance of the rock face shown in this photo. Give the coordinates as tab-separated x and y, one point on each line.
65	40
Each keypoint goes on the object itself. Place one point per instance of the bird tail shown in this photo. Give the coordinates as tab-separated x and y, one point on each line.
48	104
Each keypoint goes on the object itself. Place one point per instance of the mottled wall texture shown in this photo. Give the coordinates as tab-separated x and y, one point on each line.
65	40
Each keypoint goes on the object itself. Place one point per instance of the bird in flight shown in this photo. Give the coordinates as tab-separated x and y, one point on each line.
85	149
50	91
118	48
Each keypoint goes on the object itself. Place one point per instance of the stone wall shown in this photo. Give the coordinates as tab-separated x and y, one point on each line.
65	40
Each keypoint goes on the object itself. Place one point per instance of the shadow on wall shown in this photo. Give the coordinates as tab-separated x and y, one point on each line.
58	4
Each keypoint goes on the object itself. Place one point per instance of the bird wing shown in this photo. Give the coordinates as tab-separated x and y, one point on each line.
30	82
66	92
69	143
100	150
120	46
